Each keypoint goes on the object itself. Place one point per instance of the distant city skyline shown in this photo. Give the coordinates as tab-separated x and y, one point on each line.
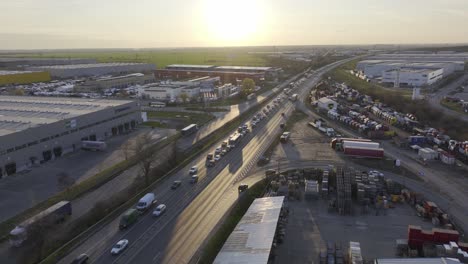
74	24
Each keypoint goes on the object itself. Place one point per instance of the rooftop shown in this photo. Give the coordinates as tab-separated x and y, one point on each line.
40	59
90	65
244	68
251	240
120	77
14	72
189	66
413	70
19	113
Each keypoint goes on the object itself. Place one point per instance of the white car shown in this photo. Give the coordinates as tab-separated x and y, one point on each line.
159	210
218	150
193	170
217	158
119	247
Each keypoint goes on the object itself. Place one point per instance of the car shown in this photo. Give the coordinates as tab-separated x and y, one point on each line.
224	152
245	126
81	259
176	185
119	247
282	125
285	136
254	124
239	129
159	210
217	158
242	187
194	179
283	114
193	170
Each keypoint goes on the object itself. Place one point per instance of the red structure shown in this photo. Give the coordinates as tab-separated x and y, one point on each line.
225	76
417	237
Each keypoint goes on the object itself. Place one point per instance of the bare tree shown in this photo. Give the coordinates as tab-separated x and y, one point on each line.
145	154
127	149
64	181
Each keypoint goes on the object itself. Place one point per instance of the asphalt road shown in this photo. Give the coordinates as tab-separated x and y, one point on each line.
192	210
434	99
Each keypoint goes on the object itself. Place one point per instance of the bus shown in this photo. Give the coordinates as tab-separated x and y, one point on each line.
158	104
234	139
189	129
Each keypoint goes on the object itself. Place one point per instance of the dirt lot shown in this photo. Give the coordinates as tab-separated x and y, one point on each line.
306	143
310	226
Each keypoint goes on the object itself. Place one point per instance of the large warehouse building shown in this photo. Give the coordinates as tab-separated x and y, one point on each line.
124	81
97	69
38	129
425	57
408	77
226	73
376	68
15	63
23	77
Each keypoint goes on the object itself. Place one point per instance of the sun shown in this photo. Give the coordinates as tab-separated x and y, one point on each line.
232	21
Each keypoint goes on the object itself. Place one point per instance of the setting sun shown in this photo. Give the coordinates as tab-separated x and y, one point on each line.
233	22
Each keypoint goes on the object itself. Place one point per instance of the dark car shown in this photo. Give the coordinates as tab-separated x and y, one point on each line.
282	125
175	185
83	258
242	187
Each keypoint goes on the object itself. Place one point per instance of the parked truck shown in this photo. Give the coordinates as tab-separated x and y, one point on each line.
45	219
320	125
361	152
358	144
337	143
129	217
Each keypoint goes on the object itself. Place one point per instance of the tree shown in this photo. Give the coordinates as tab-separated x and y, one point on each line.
17	91
145	154
64	181
127	149
247	87
183	96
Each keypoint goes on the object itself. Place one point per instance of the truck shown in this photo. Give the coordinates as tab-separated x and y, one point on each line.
370	145
93	145
50	216
336	143
189	129
251	96
209	160
319	124
234	139
361	152
293	97
129	217
146	202
417	140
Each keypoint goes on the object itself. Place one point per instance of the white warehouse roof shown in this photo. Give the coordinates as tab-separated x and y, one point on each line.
251	240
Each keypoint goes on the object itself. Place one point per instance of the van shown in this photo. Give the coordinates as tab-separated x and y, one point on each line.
145	202
129	217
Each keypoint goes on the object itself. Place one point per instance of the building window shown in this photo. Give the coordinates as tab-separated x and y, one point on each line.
20	147
45	139
10	150
32	143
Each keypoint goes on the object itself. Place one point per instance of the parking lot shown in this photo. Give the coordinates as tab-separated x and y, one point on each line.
23	190
305	143
310	226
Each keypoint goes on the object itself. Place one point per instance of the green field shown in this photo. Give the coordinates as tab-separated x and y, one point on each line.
163	57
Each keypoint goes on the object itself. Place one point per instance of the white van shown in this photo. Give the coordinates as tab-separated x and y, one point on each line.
146	202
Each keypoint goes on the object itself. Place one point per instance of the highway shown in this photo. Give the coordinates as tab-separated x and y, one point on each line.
434	99
192	210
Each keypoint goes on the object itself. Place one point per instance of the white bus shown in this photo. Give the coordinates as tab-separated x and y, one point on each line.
158	104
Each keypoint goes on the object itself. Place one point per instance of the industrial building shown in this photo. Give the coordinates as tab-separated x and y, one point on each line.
376	68
228	74
427	57
97	69
23	77
19	63
171	91
252	239
38	129
407	77
120	82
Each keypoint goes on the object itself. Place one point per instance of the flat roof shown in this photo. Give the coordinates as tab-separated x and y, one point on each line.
189	66
251	240
414	70
120	77
417	261
19	113
40	59
244	68
90	65
2	73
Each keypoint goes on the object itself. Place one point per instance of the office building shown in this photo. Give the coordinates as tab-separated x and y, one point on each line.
407	77
97	69
23	77
38	129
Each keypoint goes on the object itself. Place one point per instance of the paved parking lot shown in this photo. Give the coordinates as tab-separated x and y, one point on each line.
22	191
310	226
306	143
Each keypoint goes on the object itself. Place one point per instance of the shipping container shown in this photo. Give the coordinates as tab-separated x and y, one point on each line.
364	152
360	144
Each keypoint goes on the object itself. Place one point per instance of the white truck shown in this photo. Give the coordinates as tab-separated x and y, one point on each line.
319	125
293	97
146	202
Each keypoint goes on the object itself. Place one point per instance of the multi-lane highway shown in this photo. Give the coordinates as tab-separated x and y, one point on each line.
193	210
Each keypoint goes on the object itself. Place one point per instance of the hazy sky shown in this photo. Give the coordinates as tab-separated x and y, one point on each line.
30	24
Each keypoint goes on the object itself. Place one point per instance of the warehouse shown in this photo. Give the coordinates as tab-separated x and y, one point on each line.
119	82
97	69
38	129
375	68
170	91
23	77
15	63
434	57
405	77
